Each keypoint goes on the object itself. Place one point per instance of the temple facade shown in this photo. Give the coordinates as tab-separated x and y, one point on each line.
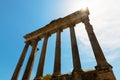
102	71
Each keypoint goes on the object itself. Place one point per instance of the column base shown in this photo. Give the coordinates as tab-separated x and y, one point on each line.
62	77
103	66
105	72
38	78
77	70
77	74
56	74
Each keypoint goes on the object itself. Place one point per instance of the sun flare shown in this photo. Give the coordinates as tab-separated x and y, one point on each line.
79	4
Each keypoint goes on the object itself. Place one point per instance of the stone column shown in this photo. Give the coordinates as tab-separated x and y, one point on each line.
76	74
28	70
101	61
20	62
75	52
57	63
40	69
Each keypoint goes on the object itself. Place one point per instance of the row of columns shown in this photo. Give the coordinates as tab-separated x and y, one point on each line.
57	64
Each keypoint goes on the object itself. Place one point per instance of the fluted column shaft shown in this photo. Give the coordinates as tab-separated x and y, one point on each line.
75	52
94	43
40	69
20	62
28	70
57	64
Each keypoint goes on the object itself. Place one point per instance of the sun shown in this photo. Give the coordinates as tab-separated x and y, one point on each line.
75	5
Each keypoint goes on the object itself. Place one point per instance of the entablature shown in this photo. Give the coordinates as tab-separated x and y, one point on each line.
58	24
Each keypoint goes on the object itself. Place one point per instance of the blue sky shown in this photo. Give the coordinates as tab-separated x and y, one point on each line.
19	17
